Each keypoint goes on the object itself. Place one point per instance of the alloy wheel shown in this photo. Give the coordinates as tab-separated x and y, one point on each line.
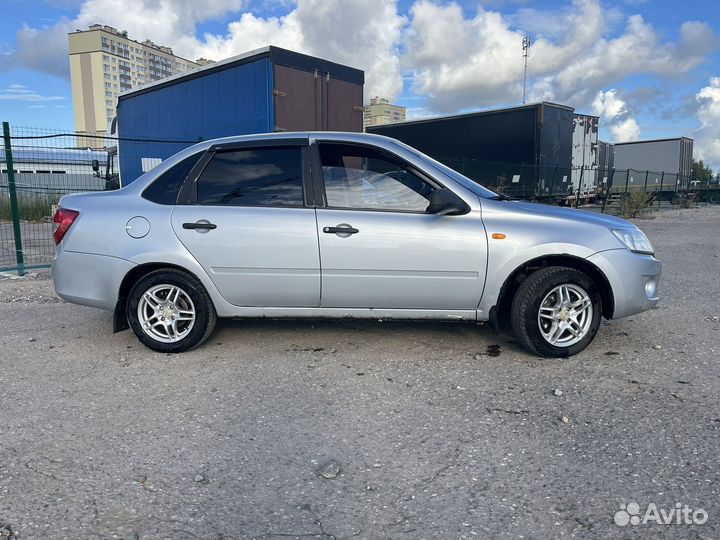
565	315
166	313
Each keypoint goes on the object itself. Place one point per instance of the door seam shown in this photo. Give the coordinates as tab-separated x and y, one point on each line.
317	239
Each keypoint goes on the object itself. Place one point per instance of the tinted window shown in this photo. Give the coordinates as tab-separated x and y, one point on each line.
361	177
253	177
165	189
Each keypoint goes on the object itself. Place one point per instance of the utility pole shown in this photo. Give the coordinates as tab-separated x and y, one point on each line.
525	47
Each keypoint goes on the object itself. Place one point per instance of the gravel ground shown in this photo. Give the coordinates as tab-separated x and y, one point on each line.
285	429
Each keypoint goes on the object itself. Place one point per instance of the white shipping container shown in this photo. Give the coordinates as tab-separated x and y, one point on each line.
584	152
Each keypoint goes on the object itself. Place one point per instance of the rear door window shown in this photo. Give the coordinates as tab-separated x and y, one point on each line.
253	177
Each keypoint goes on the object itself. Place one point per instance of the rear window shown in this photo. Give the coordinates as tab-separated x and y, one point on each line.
253	177
165	189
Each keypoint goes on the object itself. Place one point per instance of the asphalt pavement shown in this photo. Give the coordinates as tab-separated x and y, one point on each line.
365	429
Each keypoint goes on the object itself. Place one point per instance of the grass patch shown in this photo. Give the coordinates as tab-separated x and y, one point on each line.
31	206
634	204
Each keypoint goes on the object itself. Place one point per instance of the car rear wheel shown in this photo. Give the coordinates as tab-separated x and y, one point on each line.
170	311
556	312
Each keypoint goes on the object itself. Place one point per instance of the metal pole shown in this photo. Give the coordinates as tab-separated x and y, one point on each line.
577	201
707	191
608	189
14	210
552	184
525	47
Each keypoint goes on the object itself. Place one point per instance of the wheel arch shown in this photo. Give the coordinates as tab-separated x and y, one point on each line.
120	321
500	312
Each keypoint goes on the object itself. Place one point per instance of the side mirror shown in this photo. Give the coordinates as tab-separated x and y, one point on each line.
95	165
444	202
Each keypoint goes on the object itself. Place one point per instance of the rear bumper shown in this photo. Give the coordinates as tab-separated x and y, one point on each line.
634	279
89	280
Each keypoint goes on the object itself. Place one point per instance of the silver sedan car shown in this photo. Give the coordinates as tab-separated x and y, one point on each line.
341	225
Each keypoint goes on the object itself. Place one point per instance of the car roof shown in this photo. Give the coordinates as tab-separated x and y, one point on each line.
322	135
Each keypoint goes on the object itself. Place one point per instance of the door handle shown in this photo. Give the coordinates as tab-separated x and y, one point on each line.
341	229
199	225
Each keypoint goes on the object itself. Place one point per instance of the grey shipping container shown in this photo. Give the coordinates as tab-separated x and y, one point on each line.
669	161
527	148
265	90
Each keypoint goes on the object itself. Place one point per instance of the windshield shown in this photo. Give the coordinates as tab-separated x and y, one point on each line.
464	181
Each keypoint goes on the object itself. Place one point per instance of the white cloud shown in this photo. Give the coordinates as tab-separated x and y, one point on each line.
608	105
462	62
615	116
460	59
707	137
639	50
43	50
625	130
470	62
168	22
360	33
19	92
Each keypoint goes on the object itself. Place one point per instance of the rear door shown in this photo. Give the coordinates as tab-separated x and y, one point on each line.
250	224
378	245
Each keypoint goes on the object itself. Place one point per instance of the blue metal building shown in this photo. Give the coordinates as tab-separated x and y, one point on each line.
265	90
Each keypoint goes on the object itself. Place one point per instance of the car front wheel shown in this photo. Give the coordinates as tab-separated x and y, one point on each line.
556	312
170	311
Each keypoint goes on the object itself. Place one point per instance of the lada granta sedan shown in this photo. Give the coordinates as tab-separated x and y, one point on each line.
341	225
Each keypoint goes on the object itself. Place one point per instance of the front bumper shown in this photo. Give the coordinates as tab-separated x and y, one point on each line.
633	277
87	279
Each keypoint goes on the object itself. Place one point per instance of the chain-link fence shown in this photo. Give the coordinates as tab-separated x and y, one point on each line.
584	186
38	166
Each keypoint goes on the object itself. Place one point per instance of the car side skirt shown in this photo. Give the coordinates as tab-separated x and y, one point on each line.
352	313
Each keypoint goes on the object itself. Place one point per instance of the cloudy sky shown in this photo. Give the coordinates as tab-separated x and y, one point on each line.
650	68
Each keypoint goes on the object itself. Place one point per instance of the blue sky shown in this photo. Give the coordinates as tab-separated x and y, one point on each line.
649	68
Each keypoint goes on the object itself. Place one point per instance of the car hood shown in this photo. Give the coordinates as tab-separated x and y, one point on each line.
569	214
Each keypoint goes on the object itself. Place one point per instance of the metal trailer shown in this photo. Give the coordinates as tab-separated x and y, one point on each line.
264	90
606	163
526	149
667	163
585	155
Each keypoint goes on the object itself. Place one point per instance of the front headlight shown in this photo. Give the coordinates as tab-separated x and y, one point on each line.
635	240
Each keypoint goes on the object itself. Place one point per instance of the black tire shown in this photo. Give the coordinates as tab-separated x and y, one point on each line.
205	315
526	305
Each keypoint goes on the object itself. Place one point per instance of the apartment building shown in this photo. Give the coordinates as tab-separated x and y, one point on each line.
381	112
105	62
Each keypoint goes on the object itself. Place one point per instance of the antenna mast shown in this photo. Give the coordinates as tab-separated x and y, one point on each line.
525	47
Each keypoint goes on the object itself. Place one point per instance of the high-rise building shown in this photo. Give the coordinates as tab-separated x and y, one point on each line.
381	112
105	62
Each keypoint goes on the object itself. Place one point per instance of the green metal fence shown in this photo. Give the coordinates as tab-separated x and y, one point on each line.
39	166
578	186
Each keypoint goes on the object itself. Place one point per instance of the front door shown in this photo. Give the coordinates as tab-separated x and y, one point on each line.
251	230
380	248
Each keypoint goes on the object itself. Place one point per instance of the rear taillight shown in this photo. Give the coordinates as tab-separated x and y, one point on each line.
62	220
